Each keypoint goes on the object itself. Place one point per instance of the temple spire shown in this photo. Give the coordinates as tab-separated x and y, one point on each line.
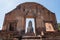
30	28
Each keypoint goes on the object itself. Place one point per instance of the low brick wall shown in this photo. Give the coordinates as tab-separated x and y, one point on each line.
15	36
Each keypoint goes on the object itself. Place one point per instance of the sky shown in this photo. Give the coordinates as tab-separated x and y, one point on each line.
8	5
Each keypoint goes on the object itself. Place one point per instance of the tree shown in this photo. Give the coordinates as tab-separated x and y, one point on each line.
59	26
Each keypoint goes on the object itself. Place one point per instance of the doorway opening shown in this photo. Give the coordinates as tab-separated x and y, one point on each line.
30	25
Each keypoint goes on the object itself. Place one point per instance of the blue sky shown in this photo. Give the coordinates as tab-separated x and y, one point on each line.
8	5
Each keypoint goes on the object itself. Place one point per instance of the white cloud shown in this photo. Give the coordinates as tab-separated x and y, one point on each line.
5	6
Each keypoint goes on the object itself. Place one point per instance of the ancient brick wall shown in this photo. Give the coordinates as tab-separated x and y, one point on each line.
40	14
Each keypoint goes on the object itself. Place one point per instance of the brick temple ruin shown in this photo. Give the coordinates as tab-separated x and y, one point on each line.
30	21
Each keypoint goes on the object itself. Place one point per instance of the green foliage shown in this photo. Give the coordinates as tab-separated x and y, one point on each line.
59	26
